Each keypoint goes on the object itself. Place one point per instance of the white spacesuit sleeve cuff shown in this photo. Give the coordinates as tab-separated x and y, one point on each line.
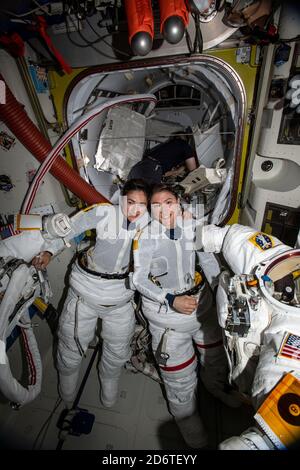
160	297
55	247
213	237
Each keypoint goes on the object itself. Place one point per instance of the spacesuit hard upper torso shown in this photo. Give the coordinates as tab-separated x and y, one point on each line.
169	260
112	250
91	296
258	364
111	253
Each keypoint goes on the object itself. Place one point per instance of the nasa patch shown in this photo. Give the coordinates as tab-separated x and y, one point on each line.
262	241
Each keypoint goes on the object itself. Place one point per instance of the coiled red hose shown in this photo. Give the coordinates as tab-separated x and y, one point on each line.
15	117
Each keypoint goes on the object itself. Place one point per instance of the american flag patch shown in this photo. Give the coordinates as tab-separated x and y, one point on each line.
8	231
290	347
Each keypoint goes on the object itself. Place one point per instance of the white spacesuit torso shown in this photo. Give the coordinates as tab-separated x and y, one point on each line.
111	252
262	332
169	261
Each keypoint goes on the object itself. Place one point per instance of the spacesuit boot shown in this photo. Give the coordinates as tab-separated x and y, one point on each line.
193	431
67	385
189	423
251	439
109	391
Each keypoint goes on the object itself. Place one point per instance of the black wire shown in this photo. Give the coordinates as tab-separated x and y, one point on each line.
198	42
81	388
85	45
21	16
296	38
104	53
188	41
47	422
117	50
110	45
92	28
89	44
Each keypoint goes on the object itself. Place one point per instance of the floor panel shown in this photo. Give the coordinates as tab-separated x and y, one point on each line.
139	420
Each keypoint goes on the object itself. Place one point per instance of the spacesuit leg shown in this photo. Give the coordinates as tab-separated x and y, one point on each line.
251	439
268	373
77	327
213	360
180	380
117	331
270	369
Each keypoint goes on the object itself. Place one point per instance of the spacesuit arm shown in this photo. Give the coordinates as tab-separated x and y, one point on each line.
211	237
209	240
210	266
243	247
86	219
26	245
143	252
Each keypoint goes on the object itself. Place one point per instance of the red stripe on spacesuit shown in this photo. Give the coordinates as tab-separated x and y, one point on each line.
180	366
30	361
211	345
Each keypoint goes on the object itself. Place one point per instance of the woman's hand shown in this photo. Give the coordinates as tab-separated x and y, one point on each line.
42	260
185	304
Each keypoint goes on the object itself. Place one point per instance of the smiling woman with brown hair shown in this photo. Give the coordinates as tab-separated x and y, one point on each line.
99	288
179	307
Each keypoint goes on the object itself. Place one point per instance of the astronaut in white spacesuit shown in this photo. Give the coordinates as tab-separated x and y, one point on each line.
98	288
258	309
179	308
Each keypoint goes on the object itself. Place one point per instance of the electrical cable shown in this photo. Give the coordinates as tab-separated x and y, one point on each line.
188	41
42	7
294	39
198	41
11	13
80	391
46	424
88	44
110	45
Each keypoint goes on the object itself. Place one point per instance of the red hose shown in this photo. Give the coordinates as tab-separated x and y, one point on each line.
15	117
